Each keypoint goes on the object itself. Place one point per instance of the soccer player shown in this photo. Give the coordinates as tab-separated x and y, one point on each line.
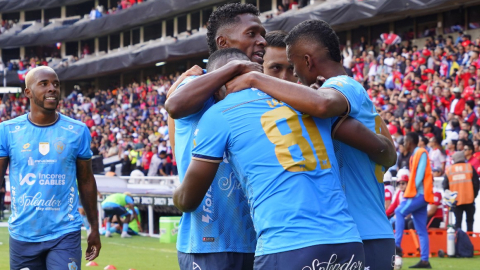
220	234
284	162
313	48
418	194
275	60
116	205
47	153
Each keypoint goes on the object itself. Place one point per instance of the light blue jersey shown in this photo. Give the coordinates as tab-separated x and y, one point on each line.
286	165
361	178
43	175
222	222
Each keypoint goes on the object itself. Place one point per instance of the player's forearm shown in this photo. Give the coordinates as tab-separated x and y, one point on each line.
190	98
171	134
87	188
3	170
378	148
320	103
88	195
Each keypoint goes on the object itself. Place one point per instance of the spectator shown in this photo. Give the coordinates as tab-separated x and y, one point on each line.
462	178
126	166
437	156
468	152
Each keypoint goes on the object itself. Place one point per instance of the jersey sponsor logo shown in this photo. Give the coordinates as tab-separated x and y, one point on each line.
71	199
30	161
196	266
69	129
17	129
229	184
45	161
44	148
40	204
26	179
333	264
43	179
207	206
59	145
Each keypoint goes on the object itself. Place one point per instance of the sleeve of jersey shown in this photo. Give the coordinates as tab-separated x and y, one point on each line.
3	142
211	137
354	102
84	152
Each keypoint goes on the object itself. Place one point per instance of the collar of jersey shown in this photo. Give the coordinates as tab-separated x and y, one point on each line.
59	116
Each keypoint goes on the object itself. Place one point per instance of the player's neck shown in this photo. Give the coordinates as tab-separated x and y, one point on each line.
331	69
43	118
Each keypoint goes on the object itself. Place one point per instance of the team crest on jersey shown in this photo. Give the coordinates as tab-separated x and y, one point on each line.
44	148
59	145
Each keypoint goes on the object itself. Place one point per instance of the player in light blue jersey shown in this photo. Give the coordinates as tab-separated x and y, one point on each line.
47	152
220	234
313	49
282	160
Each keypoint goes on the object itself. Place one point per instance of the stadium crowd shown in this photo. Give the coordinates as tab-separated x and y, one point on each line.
431	90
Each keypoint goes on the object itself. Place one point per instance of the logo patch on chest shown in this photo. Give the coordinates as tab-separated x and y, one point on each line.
44	148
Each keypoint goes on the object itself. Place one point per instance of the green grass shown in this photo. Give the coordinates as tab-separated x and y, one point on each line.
145	253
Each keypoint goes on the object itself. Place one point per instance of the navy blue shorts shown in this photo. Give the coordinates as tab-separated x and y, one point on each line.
62	253
115	211
215	261
331	256
379	254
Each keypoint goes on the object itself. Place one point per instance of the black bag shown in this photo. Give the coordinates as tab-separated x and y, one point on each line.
463	245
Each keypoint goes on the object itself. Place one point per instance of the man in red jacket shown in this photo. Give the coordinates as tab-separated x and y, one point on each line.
458	103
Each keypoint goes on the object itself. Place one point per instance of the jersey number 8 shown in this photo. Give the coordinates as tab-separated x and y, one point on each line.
284	141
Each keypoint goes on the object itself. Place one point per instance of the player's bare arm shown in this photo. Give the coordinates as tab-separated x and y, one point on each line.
379	148
3	169
87	188
190	98
323	104
189	195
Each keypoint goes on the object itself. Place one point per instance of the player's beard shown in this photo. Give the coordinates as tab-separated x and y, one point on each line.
41	103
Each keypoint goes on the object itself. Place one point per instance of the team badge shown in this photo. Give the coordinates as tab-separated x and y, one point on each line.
44	148
59	146
72	266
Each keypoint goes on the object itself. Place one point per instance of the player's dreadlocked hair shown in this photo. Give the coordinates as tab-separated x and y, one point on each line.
276	39
224	54
317	31
223	16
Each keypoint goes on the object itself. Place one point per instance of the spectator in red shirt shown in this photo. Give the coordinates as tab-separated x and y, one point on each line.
89	122
147	158
469	90
457	104
468	151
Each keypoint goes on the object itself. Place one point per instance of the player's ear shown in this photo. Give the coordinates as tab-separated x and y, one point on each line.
308	61
28	93
222	42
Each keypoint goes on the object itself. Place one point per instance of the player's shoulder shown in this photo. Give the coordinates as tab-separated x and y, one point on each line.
343	81
16	121
237	99
70	123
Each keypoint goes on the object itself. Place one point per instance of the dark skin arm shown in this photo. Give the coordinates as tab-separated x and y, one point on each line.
87	187
189	195
322	104
190	98
380	149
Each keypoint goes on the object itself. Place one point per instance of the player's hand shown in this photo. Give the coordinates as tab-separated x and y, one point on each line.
193	71
320	81
94	245
244	66
240	83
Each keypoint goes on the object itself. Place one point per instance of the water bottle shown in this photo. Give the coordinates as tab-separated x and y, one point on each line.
451	242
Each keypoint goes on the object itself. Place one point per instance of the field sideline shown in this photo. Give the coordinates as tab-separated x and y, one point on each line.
145	253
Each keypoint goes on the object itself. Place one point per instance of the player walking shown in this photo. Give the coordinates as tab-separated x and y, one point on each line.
47	152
